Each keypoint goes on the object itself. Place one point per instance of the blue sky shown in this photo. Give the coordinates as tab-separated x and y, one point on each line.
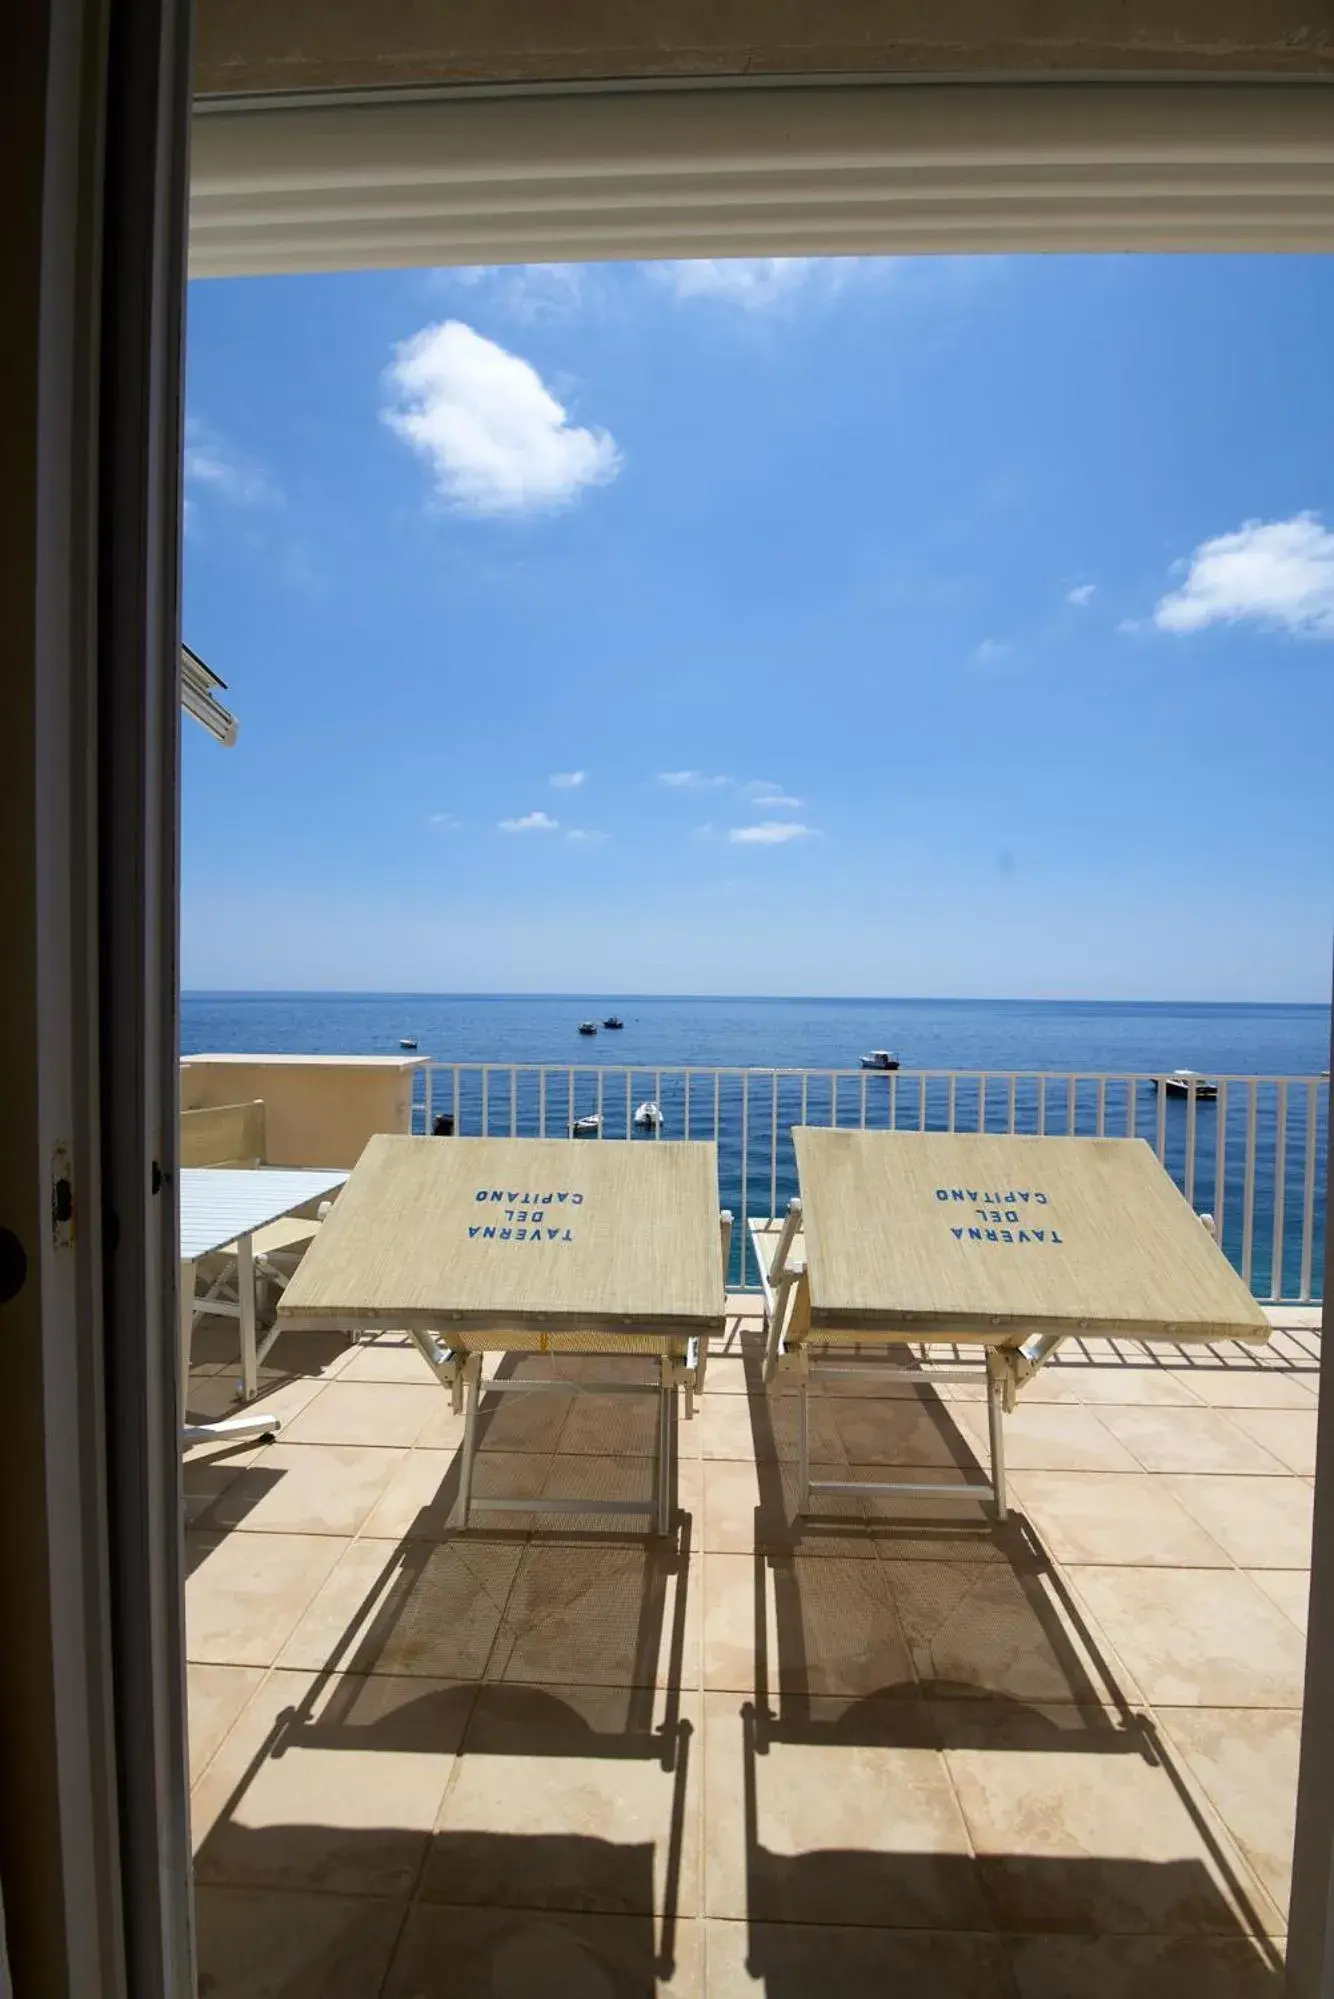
930	627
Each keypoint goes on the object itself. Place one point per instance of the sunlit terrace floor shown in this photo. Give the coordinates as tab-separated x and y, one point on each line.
894	1753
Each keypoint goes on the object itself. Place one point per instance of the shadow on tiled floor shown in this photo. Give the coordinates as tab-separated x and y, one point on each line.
891	1749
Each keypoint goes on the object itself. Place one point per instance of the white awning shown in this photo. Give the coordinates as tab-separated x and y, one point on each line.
198	698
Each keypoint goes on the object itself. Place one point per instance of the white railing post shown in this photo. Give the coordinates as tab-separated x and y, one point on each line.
1289	1252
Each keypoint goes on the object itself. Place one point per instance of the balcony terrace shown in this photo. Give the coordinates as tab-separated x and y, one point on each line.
892	1749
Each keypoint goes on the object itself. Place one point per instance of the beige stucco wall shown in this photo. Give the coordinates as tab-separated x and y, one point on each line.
318	1110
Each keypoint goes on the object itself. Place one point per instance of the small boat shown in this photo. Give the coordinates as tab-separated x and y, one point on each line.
407	1041
586	1127
588	1027
1188	1083
648	1116
880	1058
613	1021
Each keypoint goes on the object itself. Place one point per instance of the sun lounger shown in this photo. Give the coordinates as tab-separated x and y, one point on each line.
1004	1245
528	1246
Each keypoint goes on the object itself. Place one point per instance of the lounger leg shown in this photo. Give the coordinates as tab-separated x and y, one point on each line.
804	1447
472	1395
664	1514
245	1299
996	1431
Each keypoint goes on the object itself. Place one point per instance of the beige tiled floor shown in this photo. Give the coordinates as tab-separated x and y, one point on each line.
896	1750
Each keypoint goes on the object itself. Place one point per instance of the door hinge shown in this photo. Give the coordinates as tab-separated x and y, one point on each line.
62	1198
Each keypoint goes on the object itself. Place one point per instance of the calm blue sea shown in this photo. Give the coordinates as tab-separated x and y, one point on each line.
617	1070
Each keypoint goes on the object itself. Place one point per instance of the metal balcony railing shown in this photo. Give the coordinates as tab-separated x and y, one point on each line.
1254	1155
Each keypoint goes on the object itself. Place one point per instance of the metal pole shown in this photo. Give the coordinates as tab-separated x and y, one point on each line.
472	1394
996	1434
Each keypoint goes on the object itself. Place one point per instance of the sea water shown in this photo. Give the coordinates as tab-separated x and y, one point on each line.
753	1116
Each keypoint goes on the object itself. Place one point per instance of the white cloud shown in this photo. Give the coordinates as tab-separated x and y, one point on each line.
445	820
770	833
496	438
214	466
764	792
690	780
1268	572
991	652
1082	593
527	291
531	822
568	780
584	836
754	283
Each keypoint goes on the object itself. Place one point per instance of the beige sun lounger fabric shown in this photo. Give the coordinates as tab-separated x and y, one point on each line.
525	1245
1011	1243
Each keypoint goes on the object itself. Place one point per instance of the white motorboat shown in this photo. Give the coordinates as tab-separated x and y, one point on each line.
588	1027
648	1116
407	1041
586	1127
880	1058
1188	1083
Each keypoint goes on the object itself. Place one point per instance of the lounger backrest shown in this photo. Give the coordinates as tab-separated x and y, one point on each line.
223	1135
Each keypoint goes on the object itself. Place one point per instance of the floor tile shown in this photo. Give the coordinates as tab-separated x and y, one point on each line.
1287	1434
1245	1760
1049	1437
332	1785
1055	1967
612	1425
1196	1637
1076	1828
1134	1385
729	1374
762	1426
829	1627
598	1611
736	1594
1290	1589
205	1477
216	1695
1113	1517
816	1960
843	1824
443	1428
896	1431
391	1357
305	1489
1262	1523
262	1944
580	1799
951	1508
460	1953
1189	1440
367	1412
418	1498
213	1397
998	1628
748	1506
245	1593
1254	1387
422	1609
524	1420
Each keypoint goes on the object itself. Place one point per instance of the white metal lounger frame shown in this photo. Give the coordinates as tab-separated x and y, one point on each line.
460	1371
1006	1368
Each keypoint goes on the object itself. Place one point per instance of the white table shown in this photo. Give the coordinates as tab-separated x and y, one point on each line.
220	1205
